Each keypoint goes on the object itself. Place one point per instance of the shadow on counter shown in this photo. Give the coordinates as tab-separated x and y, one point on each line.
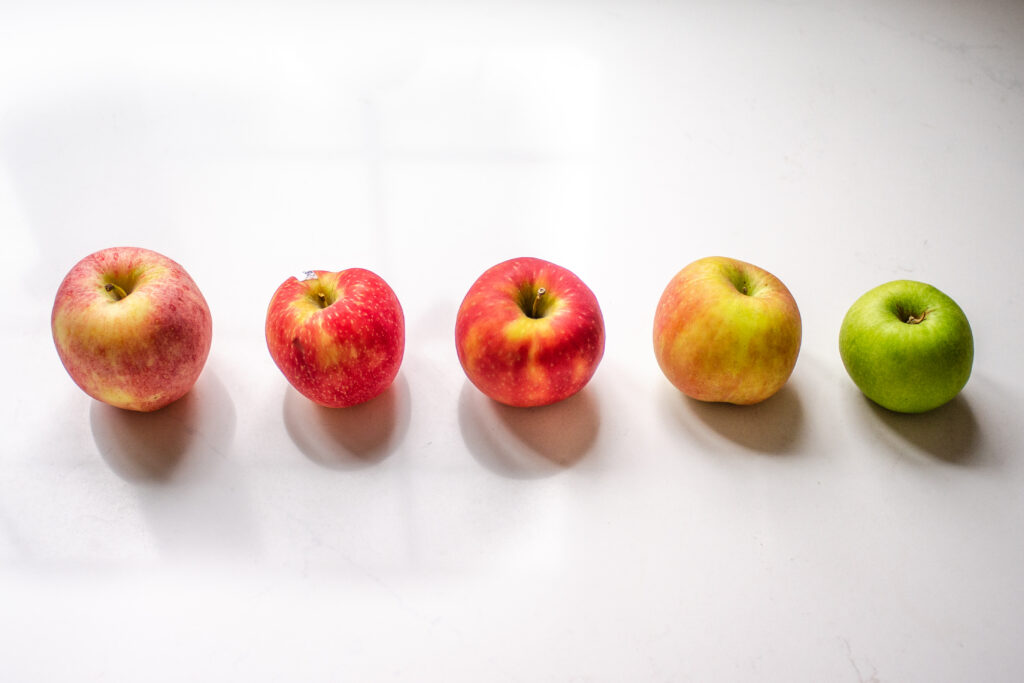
155	447
349	438
773	426
948	433
528	443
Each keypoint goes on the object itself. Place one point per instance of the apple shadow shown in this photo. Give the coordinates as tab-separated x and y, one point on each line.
154	447
528	443
772	426
948	433
349	438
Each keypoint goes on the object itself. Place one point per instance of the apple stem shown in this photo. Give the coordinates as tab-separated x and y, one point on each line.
323	299
115	290
915	319
536	300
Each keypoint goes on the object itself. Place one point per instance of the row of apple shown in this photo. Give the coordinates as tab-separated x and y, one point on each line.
134	331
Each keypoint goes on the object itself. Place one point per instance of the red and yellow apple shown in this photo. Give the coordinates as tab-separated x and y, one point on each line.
726	331
131	328
529	333
338	337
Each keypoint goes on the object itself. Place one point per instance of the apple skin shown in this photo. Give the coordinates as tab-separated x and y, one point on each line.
726	331
907	346
141	351
521	360
338	337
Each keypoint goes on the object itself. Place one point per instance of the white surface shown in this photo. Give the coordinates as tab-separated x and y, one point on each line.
243	534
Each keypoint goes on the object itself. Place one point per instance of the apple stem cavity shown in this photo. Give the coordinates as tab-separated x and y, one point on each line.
317	295
117	293
740	281
910	317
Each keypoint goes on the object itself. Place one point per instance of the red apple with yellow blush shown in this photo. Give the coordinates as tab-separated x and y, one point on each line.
338	337
529	333
131	328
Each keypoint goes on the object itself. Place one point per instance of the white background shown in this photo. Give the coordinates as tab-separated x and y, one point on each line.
627	534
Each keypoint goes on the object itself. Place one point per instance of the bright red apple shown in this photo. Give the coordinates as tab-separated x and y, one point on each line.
726	331
131	328
337	337
529	333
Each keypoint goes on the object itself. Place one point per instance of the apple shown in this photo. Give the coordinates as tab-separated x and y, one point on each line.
337	337
131	328
907	346
529	333
726	331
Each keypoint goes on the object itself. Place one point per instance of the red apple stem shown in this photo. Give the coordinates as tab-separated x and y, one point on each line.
115	290
536	300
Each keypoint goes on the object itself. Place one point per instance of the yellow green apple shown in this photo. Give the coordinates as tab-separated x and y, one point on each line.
726	331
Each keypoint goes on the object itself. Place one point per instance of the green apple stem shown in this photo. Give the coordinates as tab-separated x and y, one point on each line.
915	319
115	291
536	301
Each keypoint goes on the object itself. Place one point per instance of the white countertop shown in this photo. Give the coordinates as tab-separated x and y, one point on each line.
627	534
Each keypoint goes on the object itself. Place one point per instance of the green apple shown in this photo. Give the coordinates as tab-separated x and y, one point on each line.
907	346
